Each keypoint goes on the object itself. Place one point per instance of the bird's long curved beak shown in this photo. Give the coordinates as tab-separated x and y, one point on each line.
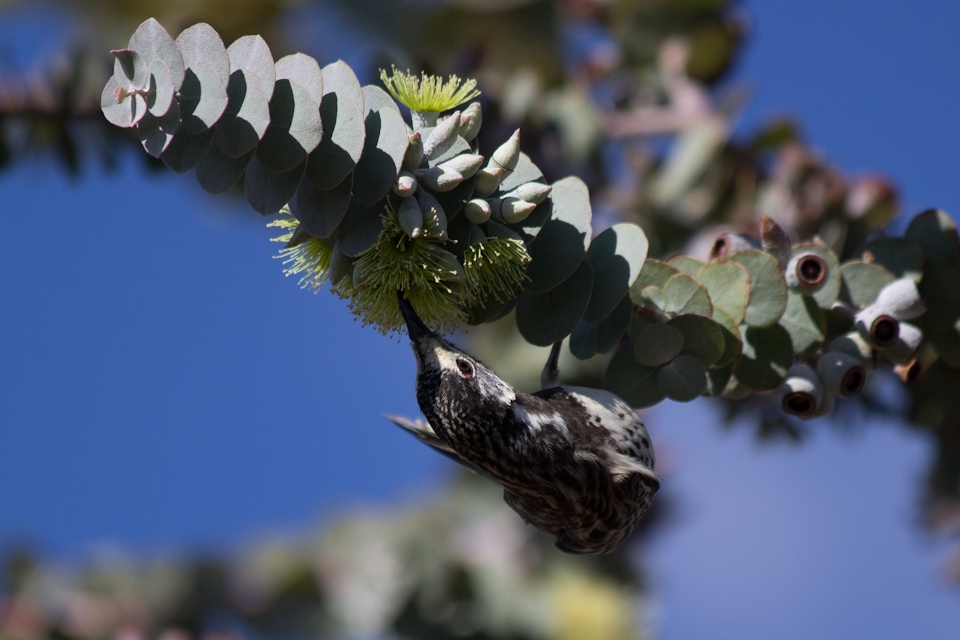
415	326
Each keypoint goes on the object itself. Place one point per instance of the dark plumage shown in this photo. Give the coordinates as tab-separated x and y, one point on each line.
576	463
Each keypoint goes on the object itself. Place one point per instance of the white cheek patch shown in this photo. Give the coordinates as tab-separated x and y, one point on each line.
536	420
488	384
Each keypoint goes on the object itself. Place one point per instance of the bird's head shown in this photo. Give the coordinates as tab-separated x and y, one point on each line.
451	384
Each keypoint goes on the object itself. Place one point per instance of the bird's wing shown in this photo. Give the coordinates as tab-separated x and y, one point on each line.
425	434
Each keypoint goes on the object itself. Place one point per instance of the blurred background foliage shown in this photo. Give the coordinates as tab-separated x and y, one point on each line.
633	96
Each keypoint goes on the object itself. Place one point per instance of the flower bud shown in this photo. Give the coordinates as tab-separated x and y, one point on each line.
477	211
410	217
434	217
806	272
466	164
901	299
774	240
442	137
405	184
470	121
877	327
854	345
488	179
801	393
413	156
841	373
511	210
906	346
508	153
440	179
535	192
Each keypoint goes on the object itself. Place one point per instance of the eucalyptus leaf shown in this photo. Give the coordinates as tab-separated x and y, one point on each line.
548	317
861	282
936	234
768	289
321	212
683	379
217	172
252	54
247	115
657	344
203	98
654	273
343	137
152	42
559	248
728	284
201	44
591	338
686	264
386	141
360	227
295	128
804	321
702	337
903	258
186	149
304	71
616	256
267	191
765	358
682	294
633	382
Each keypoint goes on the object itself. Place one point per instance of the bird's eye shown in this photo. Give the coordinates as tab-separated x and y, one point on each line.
466	369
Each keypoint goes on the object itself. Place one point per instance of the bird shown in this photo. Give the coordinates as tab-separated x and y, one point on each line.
576	463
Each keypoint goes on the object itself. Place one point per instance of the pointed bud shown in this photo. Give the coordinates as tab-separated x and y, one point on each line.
434	217
774	240
410	217
413	156
488	179
470	121
535	192
442	137
508	153
405	185
466	164
440	179
511	210
477	211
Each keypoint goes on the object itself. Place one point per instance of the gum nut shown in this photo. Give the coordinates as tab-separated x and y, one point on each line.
508	153
801	392
806	272
727	243
877	327
901	299
842	374
908	343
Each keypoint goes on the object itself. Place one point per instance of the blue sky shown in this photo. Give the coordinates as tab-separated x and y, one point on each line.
164	387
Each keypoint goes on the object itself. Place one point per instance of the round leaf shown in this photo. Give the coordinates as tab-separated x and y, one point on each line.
360	228
682	294
217	172
768	289
304	71
161	89
936	234
548	317
686	264
201	44
900	257
633	382
654	273
295	129
683	379
765	358
320	212
657	344
862	282
342	143
728	284
559	248
386	142
156	133
590	338
152	41
252	54
126	113
203	98
129	69
804	321
939	288
247	115
267	191
731	337
702	338
186	149
615	256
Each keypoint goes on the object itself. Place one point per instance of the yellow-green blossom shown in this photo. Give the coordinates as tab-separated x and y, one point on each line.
311	258
495	267
427	92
